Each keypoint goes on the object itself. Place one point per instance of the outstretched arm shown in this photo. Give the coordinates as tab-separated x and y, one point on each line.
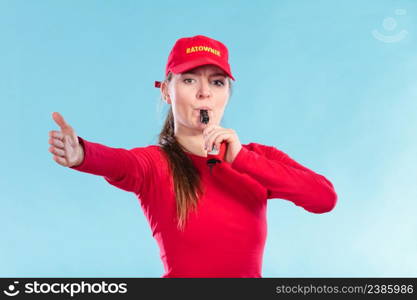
125	169
120	167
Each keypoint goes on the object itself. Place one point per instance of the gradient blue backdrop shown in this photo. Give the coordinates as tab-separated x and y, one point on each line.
313	80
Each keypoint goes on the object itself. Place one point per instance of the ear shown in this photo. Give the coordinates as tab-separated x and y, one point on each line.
164	92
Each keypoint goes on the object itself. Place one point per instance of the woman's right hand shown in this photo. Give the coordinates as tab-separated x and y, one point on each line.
64	144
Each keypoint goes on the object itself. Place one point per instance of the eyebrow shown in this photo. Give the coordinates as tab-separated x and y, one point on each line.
212	75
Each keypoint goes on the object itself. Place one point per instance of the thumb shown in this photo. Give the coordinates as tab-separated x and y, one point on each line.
59	119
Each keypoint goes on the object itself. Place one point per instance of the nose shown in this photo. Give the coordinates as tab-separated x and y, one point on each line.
204	90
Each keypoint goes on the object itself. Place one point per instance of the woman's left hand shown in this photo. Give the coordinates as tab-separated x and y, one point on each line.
215	135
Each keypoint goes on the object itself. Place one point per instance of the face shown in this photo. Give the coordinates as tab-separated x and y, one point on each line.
187	92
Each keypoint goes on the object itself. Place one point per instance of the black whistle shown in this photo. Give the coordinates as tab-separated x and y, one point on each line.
204	117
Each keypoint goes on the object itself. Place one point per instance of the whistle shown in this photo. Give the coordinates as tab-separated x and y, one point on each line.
204	118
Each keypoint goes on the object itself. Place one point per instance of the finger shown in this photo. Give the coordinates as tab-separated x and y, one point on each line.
60	121
209	129
221	139
218	140
57	151
212	131
211	138
56	142
56	134
60	160
208	141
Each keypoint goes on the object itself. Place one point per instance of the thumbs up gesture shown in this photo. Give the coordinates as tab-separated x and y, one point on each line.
64	143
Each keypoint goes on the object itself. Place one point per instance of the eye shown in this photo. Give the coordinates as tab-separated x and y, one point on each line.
188	80
219	82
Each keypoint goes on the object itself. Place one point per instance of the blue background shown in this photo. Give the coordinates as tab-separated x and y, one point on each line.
312	79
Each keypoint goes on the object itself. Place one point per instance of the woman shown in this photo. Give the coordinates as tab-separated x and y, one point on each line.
207	210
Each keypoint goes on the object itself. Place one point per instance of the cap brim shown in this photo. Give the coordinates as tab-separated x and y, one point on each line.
181	68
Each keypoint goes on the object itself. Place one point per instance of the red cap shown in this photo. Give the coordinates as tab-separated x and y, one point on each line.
192	52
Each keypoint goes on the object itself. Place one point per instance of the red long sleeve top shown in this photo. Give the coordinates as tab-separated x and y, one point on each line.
226	236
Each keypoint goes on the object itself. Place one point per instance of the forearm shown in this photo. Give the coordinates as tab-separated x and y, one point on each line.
102	160
286	179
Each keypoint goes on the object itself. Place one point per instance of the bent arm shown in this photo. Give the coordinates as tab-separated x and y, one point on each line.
284	178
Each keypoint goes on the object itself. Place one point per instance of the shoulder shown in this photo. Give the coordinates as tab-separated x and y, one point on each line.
150	160
265	150
152	154
261	148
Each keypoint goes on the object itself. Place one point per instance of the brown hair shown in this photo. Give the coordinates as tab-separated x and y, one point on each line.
186	178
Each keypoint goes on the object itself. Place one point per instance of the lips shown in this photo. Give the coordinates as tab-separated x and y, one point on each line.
204	107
